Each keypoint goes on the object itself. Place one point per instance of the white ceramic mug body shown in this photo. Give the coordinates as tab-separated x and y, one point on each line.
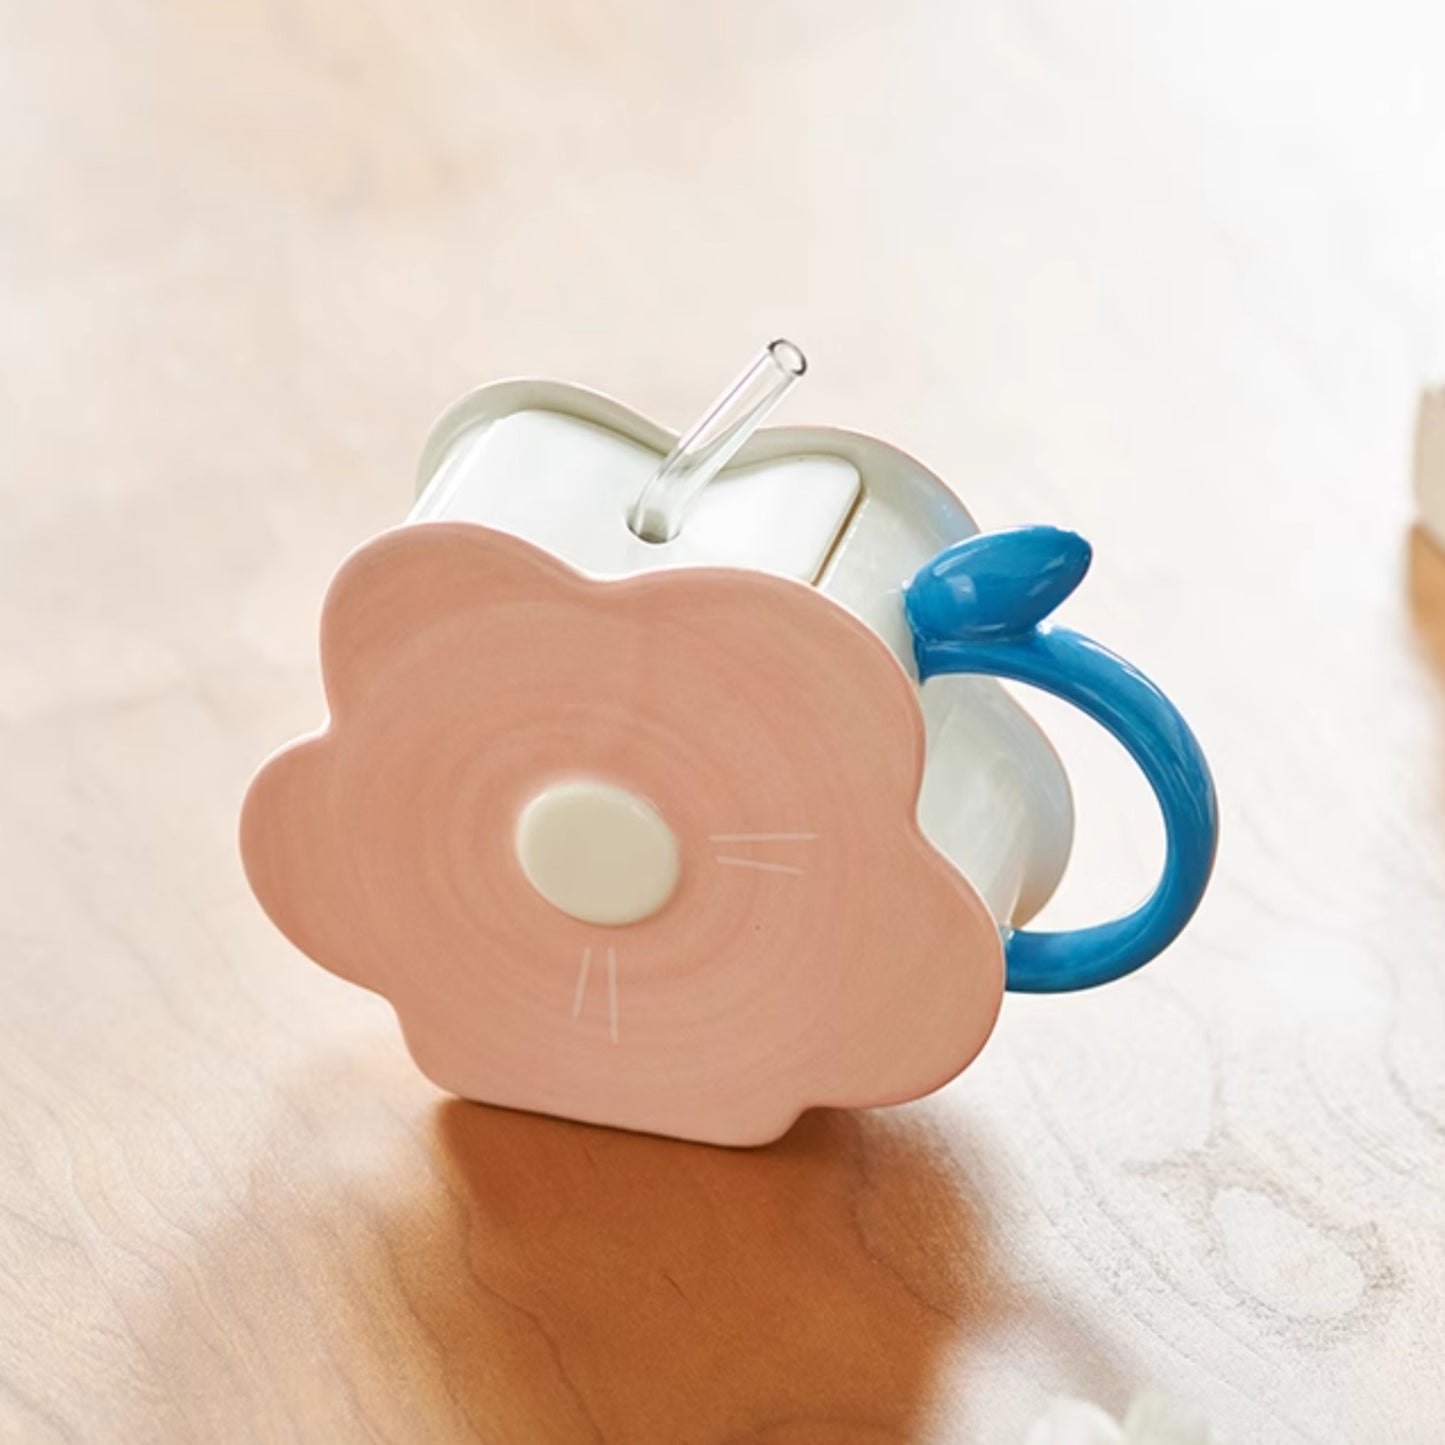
559	466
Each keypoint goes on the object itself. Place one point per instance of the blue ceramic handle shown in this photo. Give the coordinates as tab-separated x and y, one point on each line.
978	607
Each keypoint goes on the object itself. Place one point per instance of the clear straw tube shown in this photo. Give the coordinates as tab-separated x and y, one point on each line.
710	444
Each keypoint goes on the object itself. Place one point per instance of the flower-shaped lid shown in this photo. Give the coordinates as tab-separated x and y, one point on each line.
639	852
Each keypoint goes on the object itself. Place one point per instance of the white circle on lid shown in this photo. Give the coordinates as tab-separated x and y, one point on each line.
597	852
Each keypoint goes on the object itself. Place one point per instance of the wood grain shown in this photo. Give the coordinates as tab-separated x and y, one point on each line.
1169	275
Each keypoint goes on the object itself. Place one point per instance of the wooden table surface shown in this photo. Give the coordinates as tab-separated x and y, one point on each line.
1171	275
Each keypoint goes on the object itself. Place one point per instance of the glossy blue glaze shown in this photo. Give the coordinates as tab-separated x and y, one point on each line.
977	608
997	584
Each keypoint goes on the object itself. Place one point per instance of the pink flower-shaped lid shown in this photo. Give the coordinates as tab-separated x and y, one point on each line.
805	945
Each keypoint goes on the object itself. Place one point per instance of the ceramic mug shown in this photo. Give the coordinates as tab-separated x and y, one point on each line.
690	836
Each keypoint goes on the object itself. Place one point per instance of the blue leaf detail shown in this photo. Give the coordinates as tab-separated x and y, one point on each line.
996	584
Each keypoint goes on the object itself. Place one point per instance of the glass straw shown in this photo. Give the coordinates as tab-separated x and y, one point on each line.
711	443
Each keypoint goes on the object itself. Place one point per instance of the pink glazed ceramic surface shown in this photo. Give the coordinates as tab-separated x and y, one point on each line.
815	949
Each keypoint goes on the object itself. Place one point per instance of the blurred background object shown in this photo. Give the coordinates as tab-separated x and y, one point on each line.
1430	462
